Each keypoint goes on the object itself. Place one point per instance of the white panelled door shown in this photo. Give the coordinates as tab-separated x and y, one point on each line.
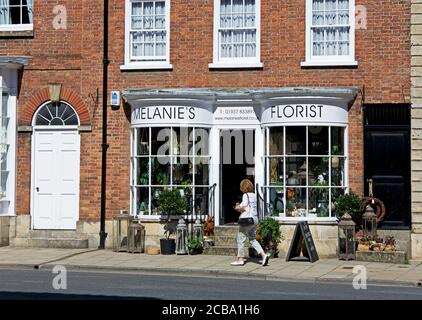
56	179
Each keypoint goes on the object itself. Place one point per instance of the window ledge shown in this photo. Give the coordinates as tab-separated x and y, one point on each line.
235	65
315	221
146	66
340	63
15	33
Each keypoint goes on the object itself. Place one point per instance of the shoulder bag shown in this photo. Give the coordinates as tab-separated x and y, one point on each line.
247	219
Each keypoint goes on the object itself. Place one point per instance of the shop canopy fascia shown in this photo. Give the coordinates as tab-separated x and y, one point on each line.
259	98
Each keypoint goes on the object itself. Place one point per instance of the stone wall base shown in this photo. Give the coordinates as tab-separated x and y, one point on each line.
416	246
325	238
4	231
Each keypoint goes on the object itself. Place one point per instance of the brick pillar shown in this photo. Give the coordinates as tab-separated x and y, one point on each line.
416	128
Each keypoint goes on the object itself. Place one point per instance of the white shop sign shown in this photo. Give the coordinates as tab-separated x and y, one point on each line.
304	114
235	115
170	115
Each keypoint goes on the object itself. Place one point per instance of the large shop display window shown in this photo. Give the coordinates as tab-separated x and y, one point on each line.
4	146
169	157
305	170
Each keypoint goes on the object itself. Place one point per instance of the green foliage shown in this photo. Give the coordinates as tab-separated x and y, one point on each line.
195	245
268	234
171	202
350	203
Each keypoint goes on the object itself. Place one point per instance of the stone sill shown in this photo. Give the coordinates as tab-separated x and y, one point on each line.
17	34
382	256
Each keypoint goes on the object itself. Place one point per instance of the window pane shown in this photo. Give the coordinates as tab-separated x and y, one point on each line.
160	171
201	171
276	201
142	201
276	141
318	140
296	171
337	141
276	167
335	193
143	141
202	142
182	141
201	201
142	176
318	171
296	140
160	141
296	202
155	193
318	202
337	172
182	171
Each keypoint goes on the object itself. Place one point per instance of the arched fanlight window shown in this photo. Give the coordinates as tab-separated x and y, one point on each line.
56	114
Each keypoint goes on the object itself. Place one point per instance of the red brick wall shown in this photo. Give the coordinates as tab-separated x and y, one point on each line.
74	58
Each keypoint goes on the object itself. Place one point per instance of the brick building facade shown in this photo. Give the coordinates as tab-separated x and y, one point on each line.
190	63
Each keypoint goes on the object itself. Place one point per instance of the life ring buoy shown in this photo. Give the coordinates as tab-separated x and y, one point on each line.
377	205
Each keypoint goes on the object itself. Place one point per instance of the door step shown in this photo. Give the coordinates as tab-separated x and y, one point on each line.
64	243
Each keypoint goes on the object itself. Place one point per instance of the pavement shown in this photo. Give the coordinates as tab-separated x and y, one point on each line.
210	266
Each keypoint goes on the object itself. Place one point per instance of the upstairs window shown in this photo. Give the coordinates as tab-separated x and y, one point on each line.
16	14
147	33
330	32
237	33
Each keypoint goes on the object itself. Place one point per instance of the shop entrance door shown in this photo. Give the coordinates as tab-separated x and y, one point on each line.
387	160
237	162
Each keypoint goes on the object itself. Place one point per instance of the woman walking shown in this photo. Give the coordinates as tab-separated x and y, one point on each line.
248	209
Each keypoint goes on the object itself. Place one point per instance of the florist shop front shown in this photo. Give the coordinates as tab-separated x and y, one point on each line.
291	142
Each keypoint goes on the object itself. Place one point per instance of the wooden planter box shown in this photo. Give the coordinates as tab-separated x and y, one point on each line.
382	256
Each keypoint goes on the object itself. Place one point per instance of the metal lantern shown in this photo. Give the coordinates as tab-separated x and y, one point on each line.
181	237
369	221
121	224
198	230
136	238
346	238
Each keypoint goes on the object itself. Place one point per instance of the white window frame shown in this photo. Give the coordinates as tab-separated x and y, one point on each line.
18	27
348	60
129	64
229	63
149	214
345	156
8	84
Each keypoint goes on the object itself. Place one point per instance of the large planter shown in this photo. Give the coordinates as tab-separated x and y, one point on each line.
167	246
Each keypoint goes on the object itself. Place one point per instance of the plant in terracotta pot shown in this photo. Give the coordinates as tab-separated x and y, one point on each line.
170	202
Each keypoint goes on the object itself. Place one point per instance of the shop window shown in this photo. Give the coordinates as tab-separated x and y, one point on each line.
305	179
4	146
147	34
169	157
330	32
237	33
16	14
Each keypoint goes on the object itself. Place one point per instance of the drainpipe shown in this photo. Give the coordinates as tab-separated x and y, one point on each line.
104	145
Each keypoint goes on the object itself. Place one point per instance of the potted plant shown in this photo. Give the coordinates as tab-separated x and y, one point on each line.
269	236
350	203
195	246
170	202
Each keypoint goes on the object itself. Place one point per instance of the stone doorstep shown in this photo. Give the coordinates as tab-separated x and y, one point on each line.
57	243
